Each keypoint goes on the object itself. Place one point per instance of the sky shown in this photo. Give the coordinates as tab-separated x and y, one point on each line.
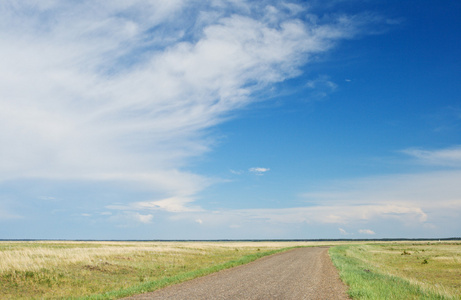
230	119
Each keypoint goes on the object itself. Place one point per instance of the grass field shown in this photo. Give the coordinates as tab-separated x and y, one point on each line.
113	269
109	270
416	270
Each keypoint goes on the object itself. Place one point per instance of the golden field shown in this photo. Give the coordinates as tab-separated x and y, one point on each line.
60	269
109	270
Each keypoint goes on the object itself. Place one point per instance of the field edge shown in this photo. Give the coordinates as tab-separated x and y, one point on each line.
167	281
366	282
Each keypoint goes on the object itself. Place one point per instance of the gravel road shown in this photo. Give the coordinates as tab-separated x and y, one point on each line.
302	273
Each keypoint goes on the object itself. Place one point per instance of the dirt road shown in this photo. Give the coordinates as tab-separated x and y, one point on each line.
302	273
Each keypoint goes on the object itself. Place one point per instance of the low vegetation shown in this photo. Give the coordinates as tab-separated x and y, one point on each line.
103	270
417	270
110	270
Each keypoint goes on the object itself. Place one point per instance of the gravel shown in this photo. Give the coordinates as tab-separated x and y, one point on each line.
301	273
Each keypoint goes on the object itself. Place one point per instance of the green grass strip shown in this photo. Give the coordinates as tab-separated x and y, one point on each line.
365	282
166	281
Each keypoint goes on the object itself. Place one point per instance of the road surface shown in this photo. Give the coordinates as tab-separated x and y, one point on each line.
301	273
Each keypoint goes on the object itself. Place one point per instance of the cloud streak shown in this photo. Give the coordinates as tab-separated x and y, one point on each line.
429	201
366	231
258	170
124	92
450	157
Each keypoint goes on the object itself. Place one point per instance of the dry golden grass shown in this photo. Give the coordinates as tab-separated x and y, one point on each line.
63	269
33	256
70	269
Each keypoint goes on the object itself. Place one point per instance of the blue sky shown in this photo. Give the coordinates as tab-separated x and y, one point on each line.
185	119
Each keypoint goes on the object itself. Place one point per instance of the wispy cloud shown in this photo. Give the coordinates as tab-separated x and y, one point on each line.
144	218
315	215
343	231
236	172
430	200
321	87
258	170
172	204
124	91
450	157
127	219
366	231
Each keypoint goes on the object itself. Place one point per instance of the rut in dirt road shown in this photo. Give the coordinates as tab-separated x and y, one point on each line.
302	273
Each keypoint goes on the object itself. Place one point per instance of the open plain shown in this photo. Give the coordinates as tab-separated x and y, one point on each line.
111	270
62	269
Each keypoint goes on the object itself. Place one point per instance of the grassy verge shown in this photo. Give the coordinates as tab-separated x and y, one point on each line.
107	270
400	270
166	281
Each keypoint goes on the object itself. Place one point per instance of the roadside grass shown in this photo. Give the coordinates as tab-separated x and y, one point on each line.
416	270
109	270
165	281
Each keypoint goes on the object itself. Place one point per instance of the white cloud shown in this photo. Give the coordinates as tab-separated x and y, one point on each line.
343	231
129	219
418	190
172	204
338	214
450	157
124	91
239	172
314	215
321	87
146	219
429	199
425	202
321	81
259	170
